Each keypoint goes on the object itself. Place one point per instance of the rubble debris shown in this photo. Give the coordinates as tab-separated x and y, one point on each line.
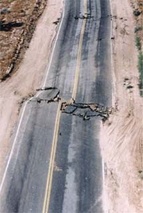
86	111
56	98
85	16
126	79
56	22
130	87
127	83
86	117
39	100
46	88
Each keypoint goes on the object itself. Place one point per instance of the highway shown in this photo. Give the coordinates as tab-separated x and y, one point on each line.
55	165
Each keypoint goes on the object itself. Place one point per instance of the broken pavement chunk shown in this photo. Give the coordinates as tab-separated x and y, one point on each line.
86	111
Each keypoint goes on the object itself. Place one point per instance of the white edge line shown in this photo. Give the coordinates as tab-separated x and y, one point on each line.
24	108
55	43
103	179
13	146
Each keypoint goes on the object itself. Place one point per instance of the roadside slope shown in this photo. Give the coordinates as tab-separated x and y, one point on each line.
122	135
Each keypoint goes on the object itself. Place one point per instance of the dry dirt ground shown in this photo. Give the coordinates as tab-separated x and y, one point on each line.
18	20
24	82
122	134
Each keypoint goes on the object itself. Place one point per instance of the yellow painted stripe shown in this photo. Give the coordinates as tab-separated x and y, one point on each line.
52	160
79	54
57	122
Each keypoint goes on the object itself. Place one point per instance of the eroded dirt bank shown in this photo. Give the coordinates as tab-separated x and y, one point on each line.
28	77
122	134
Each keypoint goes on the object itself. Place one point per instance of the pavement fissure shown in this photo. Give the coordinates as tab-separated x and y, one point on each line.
84	110
52	96
87	110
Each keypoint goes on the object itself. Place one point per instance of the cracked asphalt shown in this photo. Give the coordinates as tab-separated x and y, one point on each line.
87	110
65	177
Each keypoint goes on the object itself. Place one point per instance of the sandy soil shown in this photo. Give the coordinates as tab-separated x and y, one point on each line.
122	134
17	23
28	78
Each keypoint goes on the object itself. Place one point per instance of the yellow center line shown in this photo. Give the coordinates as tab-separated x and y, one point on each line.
46	202
52	160
79	54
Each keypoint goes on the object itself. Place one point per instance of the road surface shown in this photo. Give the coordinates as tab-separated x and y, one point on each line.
56	166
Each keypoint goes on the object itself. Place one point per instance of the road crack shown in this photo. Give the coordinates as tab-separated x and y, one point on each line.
52	95
86	110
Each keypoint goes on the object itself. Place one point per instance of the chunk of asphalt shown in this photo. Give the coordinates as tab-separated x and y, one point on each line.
86	111
49	94
70	109
46	88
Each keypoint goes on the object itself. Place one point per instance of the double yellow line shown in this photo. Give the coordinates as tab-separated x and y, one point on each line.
58	116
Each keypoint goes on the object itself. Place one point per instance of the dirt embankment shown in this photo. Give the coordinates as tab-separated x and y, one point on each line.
122	134
24	82
138	13
18	20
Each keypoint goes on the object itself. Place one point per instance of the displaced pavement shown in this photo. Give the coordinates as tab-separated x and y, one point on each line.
56	165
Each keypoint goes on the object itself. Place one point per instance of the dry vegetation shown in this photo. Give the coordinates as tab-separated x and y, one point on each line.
139	38
17	23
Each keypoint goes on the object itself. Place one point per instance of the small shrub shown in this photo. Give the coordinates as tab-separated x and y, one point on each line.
137	12
140	67
138	43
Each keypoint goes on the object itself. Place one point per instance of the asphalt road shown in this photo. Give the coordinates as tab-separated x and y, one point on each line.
56	166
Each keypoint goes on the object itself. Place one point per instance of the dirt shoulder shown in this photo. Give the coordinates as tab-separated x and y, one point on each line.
122	134
23	83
